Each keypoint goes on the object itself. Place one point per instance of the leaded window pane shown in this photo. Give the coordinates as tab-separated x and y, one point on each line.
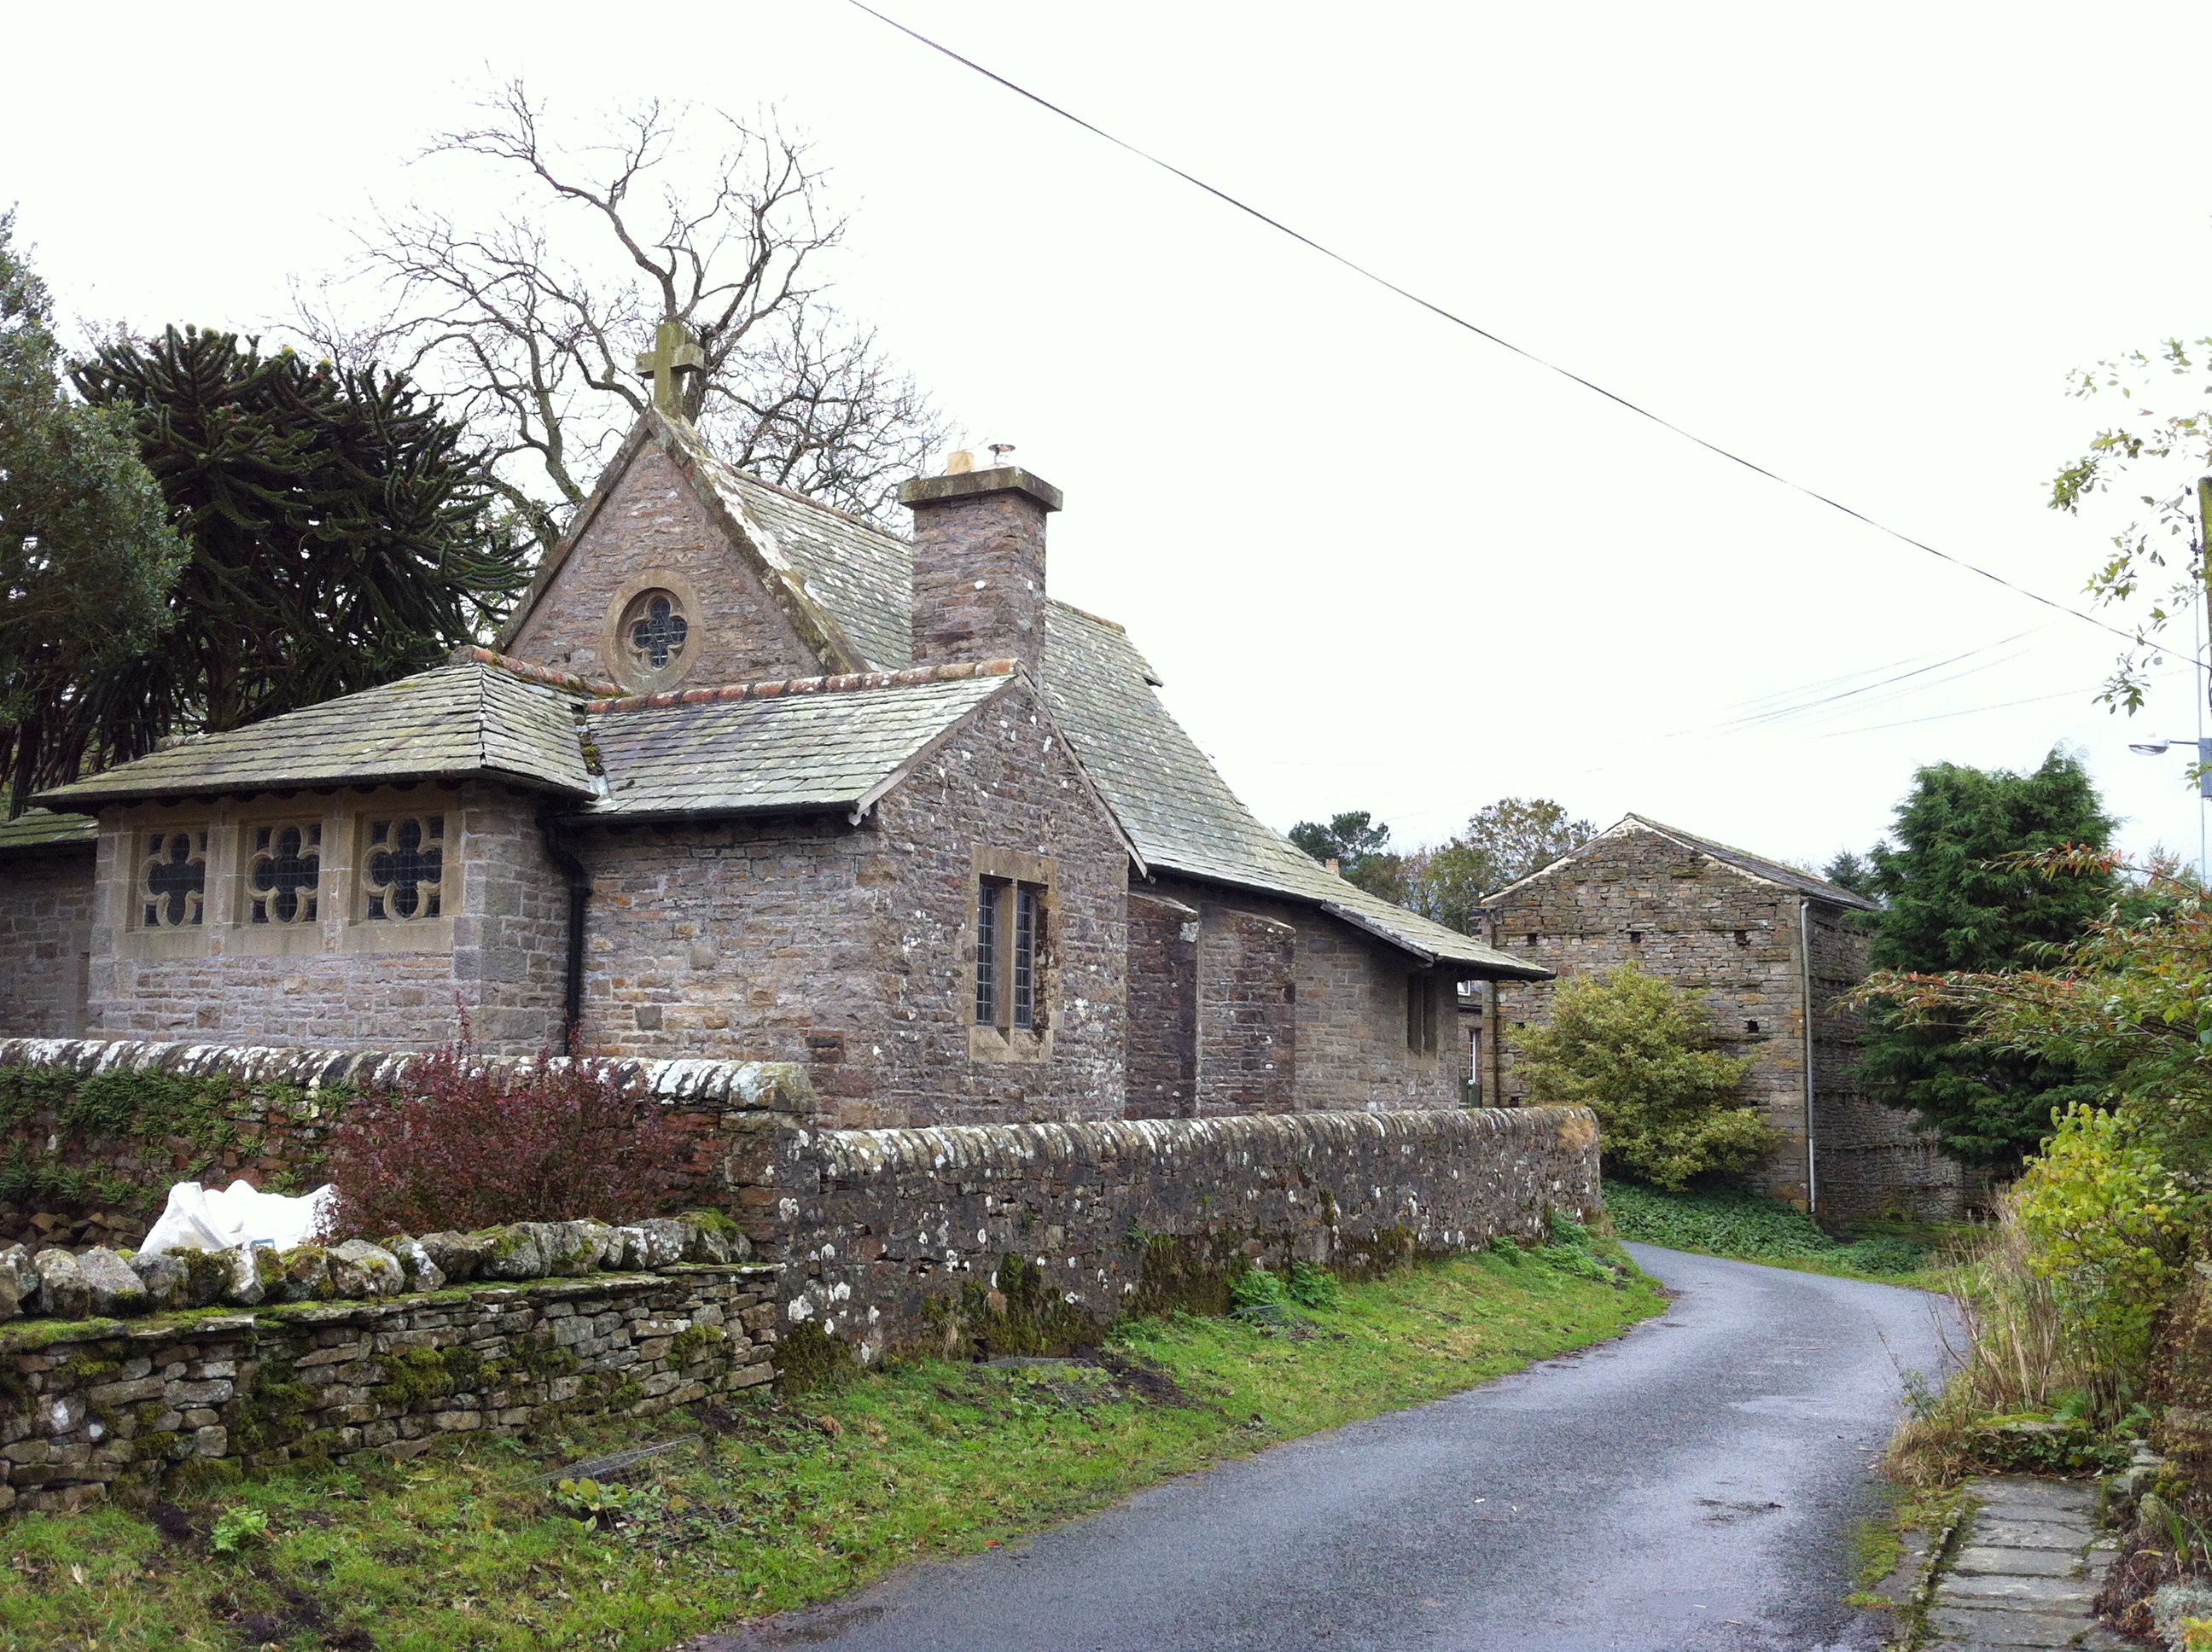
406	868
987	951
172	880
284	878
657	634
1026	913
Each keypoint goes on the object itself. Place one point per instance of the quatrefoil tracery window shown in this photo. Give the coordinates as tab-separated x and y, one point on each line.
284	876
654	633
172	880
406	869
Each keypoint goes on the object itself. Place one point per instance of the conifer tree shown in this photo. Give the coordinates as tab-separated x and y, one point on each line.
86	552
1957	900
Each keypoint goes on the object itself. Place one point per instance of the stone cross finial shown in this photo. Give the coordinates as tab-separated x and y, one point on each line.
673	353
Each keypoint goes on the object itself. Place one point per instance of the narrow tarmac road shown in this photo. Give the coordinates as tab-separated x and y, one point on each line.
1691	1486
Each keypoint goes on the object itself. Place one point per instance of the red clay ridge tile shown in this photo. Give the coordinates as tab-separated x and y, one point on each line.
845	682
532	672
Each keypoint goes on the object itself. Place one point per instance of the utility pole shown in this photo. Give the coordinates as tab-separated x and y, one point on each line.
2203	611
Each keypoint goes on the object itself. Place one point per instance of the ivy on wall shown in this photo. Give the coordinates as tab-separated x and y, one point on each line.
119	1138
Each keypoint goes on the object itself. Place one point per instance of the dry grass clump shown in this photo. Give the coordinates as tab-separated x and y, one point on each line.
2008	1352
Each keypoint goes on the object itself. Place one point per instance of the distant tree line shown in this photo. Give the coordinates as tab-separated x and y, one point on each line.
1506	840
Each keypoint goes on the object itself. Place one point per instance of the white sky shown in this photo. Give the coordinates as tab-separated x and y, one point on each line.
1381	563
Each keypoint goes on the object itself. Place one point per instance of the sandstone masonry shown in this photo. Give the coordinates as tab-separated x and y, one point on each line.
1733	929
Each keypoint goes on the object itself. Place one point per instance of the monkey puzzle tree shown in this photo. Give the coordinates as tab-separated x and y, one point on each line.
339	533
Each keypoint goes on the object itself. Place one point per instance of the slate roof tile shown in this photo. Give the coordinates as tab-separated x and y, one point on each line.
450	722
820	749
42	828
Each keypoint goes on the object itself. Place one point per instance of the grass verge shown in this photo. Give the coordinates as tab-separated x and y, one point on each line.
1734	1222
781	1502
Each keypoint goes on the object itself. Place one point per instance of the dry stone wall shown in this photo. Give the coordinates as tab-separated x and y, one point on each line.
264	1114
1032	1238
92	1409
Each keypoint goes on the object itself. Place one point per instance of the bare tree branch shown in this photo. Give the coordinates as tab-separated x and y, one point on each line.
527	325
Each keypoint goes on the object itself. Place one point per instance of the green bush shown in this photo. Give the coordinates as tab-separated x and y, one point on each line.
2109	1226
1641	1054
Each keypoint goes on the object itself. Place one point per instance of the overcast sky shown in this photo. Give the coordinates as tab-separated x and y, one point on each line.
1380	562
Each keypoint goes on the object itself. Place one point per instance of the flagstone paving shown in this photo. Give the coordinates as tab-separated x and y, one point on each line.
2026	1571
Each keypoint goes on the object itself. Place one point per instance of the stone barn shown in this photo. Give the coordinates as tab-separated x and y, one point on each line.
1769	950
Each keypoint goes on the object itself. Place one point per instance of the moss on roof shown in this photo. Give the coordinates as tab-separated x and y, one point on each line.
452	722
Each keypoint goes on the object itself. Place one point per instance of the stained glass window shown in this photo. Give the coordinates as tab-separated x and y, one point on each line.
657	630
406	868
172	880
284	876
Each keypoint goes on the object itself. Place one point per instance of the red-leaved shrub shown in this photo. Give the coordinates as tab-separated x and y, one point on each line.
464	1143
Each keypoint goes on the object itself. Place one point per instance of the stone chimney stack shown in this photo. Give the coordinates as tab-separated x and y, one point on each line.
979	564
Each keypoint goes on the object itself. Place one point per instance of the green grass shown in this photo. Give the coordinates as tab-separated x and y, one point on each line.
1734	1222
784	1502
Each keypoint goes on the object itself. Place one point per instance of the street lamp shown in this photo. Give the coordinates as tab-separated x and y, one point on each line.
2159	748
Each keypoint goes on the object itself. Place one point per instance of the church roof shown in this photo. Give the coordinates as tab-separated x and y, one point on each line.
1181	813
818	743
452	722
42	828
850	584
861	575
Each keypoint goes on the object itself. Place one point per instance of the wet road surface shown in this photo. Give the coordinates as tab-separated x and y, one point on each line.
1690	1487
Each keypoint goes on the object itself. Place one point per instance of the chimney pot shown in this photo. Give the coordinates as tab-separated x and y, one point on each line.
960	463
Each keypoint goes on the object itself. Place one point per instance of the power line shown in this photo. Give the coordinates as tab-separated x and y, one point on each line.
1458	320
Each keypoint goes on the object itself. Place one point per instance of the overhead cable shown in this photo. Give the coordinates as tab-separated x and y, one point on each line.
1458	320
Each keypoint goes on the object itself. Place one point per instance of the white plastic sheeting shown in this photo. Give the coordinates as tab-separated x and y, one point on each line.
240	1214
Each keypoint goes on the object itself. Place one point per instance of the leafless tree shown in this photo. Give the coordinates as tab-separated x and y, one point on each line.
530	323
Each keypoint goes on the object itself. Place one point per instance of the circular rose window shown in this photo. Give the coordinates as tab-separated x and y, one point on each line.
652	636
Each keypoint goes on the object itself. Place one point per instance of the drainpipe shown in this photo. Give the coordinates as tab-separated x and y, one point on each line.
1805	1012
1497	1031
580	894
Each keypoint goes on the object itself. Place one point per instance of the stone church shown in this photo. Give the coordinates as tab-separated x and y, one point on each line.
748	778
1770	951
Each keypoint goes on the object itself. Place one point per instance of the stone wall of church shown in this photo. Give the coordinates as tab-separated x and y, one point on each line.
650	533
1342	1009
497	951
45	940
852	948
1162	1040
1031	1238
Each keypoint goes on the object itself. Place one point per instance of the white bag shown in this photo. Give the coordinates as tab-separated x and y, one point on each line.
241	1214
